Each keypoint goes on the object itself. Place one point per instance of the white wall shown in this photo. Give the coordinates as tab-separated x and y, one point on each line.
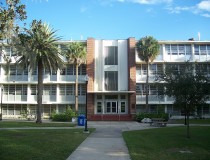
121	67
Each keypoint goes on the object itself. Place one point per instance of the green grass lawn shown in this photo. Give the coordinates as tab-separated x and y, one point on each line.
39	144
166	144
11	124
193	121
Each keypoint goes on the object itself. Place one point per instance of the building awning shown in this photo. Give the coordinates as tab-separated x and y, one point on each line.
111	92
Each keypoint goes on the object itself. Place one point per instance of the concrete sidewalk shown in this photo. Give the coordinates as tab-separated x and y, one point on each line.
106	143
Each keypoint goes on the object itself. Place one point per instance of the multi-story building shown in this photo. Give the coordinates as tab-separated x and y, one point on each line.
116	86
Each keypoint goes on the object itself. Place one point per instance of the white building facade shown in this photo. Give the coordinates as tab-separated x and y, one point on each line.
115	90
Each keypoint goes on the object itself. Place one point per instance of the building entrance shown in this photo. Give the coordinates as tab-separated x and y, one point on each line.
111	107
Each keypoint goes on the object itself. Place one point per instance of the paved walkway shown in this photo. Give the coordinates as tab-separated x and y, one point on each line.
106	143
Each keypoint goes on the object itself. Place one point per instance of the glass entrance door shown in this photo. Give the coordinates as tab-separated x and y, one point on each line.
111	107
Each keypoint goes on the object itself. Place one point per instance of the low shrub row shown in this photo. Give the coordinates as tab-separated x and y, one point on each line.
140	116
64	117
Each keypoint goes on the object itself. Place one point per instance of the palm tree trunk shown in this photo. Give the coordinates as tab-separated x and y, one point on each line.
147	88
76	88
40	92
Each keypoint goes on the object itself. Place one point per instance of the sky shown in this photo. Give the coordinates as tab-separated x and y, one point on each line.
121	19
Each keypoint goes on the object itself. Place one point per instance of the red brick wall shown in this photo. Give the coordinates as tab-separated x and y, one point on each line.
90	71
132	75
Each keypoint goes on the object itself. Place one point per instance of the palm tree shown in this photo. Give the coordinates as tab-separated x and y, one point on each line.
148	49
76	54
37	48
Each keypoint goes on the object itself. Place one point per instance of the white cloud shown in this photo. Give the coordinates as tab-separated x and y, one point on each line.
206	15
146	1
204	5
202	9
179	9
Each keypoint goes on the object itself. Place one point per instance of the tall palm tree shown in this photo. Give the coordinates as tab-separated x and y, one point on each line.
148	49
37	48
76	54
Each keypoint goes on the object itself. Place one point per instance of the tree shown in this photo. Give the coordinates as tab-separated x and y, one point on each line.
148	49
10	11
188	86
76	54
37	48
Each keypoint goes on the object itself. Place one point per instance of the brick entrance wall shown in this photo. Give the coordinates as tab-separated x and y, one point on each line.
132	75
90	71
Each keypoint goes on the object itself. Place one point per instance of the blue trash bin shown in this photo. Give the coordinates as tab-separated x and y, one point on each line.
81	120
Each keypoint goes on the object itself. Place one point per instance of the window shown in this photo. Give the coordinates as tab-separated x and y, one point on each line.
24	90
138	70
203	50
111	80
25	72
174	50
53	89
153	90
63	71
159	68
122	107
62	89
66	89
161	49
19	70
168	49
46	72
196	48
99	107
34	71
188	49
82	89
11	109
12	70
181	49
11	89
111	55
54	72
69	90
153	69
144	69
70	69
21	90
5	91
82	69
138	89
18	90
33	90
49	90
208	49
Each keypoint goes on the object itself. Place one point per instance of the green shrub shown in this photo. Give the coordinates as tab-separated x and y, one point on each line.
140	116
61	117
64	117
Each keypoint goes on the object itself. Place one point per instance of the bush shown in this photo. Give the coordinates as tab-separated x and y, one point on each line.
64	117
140	116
